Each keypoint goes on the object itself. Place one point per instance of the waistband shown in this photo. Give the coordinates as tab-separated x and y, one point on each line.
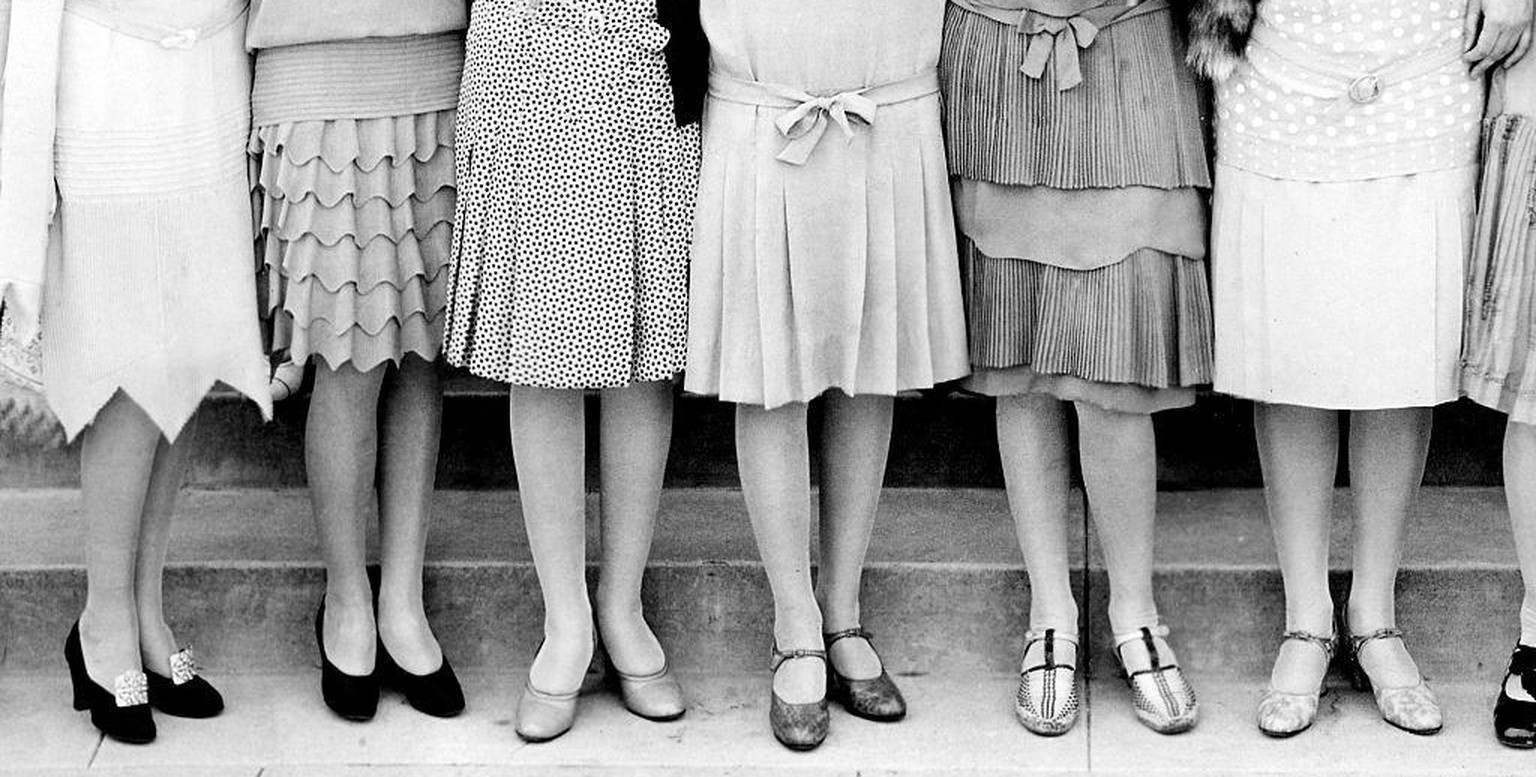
1058	28
1346	80
110	14
807	114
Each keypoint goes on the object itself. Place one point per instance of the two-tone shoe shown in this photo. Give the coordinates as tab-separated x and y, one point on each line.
1163	699
185	694
1514	720
799	726
1047	701
1284	714
1412	708
122	713
875	698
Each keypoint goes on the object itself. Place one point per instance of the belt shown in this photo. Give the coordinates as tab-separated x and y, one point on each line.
806	115
1058	28
632	26
108	13
1346	81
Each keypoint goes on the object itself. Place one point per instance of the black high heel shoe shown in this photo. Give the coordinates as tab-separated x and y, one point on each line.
876	699
437	694
1514	720
184	694
122	714
353	697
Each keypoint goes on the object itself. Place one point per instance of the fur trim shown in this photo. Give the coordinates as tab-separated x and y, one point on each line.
1218	35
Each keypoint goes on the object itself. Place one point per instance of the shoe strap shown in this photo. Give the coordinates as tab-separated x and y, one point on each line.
857	632
547	696
1327	644
1049	637
1391	632
780	656
1522	664
1147	635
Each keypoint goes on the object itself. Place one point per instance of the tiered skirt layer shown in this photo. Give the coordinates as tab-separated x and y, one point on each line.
357	226
1499	355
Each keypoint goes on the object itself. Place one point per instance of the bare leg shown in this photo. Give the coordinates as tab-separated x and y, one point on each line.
1119	455
116	459
549	446
856	441
1386	464
1520	490
156	641
773	455
412	416
1298	450
636	434
341	451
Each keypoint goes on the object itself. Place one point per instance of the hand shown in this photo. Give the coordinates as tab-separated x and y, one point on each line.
1496	31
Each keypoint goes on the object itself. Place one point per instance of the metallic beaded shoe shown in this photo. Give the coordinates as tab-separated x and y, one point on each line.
1164	701
184	694
876	699
1411	708
1047	701
1282	713
797	726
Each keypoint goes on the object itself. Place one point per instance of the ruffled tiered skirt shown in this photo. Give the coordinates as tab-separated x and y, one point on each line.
357	210
151	294
1499	352
1082	215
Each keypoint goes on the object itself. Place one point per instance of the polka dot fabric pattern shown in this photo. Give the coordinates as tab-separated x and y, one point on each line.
1342	90
576	195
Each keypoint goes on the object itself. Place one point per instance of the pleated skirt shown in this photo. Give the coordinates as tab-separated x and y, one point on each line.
152	294
357	226
1341	295
1499	354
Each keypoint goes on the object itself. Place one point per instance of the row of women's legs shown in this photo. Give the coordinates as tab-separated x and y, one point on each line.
130	476
773	455
1298	450
1118	457
371	444
549	448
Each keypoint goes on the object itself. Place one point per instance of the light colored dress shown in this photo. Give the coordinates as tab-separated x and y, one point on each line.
576	191
353	143
151	294
1347	159
824	252
1499	358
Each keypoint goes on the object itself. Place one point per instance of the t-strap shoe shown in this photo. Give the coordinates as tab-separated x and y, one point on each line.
797	726
877	698
1163	699
1047	701
184	694
1412	708
1514	720
1284	714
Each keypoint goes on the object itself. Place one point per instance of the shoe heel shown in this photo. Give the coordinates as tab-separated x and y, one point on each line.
80	682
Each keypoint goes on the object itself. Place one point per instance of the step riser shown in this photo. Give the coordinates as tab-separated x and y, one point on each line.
715	617
936	443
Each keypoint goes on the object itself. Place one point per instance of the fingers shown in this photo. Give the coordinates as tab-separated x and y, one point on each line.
1521	49
1493	44
1469	21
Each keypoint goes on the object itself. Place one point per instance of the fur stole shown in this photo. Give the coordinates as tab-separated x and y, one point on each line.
1218	34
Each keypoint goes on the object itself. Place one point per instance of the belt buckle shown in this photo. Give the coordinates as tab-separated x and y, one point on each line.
1366	89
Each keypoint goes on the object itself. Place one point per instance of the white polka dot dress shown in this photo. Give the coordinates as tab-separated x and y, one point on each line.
1347	148
576	195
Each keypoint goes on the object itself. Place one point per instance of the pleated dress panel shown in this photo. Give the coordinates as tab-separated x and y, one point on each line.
836	268
151	294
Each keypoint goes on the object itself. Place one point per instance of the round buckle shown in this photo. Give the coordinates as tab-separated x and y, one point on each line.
1365	89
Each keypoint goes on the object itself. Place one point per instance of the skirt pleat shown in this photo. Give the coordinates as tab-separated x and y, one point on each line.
357	217
1134	120
1143	321
1499	350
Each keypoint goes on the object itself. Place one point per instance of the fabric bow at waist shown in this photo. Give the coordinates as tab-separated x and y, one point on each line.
1056	29
806	116
107	13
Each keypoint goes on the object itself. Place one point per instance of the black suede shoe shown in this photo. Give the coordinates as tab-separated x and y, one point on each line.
437	694
353	697
123	713
184	694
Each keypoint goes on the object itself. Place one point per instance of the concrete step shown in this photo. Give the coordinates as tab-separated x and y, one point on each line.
940	440
944	591
958	725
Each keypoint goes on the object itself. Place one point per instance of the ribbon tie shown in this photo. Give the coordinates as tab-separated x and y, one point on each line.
806	123
1060	36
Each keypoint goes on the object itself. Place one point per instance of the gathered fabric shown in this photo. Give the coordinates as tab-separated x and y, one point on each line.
1056	29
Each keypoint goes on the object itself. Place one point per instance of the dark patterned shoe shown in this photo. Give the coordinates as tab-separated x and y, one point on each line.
1164	701
876	699
1514	720
1412	708
797	726
1047	701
